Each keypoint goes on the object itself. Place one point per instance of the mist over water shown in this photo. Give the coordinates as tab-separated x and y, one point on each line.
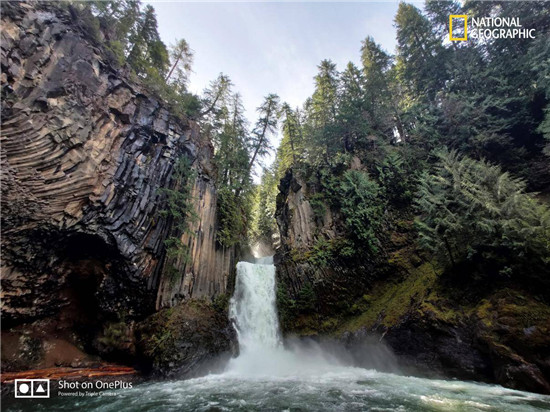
299	375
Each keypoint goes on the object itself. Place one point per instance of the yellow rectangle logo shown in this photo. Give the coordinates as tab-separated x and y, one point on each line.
458	16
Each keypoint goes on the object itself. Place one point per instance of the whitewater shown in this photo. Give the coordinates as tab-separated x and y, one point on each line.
271	375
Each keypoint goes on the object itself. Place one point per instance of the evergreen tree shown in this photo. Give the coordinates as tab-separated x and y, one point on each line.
352	125
224	121
117	21
290	148
419	54
322	112
148	55
264	214
265	126
438	12
181	59
216	95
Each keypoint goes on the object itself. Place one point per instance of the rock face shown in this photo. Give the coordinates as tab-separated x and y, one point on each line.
84	153
439	324
189	339
306	236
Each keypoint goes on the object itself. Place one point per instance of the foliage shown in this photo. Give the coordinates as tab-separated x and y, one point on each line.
220	303
290	149
232	218
266	125
361	208
227	127
237	152
180	213
263	214
147	53
317	203
419	52
306	299
472	211
395	178
321	253
181	59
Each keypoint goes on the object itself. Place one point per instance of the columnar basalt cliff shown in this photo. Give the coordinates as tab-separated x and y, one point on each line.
311	268
433	322
85	151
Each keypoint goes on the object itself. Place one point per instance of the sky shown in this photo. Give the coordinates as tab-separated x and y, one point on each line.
273	47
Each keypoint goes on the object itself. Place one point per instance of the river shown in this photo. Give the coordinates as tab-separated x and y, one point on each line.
267	376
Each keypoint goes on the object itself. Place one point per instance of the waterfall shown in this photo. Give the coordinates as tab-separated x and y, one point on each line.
253	306
254	311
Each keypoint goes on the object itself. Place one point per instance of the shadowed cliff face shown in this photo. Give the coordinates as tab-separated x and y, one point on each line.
84	154
310	266
437	323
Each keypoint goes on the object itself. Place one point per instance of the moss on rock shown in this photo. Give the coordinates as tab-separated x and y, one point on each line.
178	341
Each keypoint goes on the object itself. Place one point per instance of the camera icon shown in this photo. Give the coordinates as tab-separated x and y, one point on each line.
32	388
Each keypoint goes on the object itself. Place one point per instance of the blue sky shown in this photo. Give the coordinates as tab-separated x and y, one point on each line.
268	47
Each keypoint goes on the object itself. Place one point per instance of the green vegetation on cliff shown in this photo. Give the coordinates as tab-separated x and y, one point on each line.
411	206
412	134
174	341
473	212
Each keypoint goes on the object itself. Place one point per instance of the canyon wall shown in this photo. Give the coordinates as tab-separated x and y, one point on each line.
85	151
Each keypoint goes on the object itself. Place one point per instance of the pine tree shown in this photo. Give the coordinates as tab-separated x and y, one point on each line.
148	55
265	126
352	124
419	53
181	59
322	112
264	214
290	148
216	95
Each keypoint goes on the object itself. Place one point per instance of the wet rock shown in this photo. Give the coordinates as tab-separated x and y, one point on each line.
187	340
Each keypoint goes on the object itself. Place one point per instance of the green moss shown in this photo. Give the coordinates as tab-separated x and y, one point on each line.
307	324
329	324
194	323
113	333
221	302
484	313
440	309
285	306
317	202
389	302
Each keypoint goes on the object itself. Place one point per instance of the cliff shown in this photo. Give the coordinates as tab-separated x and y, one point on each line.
85	151
437	322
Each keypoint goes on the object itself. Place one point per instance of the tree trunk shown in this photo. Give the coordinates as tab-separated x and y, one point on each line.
172	69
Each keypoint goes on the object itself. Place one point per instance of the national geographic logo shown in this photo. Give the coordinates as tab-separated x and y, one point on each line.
464	24
487	28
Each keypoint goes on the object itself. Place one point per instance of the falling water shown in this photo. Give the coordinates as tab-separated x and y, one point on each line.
253	306
254	311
